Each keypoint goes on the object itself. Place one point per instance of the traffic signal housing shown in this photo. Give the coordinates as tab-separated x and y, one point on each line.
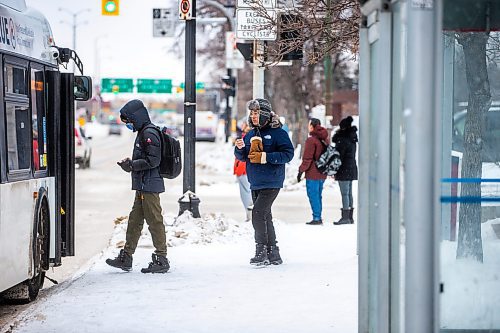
229	85
289	33
111	7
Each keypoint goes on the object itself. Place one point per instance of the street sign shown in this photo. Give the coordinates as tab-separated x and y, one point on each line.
200	86
152	86
117	85
185	10
234	59
251	25
163	22
269	4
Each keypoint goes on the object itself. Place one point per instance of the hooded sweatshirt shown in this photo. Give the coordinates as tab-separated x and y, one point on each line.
146	155
313	149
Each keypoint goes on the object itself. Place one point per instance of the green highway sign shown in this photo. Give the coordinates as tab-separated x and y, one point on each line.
199	85
151	86
117	85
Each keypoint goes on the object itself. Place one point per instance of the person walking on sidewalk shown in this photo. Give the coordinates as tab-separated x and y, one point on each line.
345	139
315	145
240	171
266	149
148	184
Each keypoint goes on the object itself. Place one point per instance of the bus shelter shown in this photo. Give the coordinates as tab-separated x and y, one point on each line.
429	157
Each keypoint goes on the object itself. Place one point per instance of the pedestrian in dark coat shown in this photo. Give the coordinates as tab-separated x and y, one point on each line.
315	145
148	184
345	139
266	149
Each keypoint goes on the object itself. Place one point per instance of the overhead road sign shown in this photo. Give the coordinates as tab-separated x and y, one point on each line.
152	86
251	25
117	85
163	22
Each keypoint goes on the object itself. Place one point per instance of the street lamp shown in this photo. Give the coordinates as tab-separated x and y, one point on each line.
74	23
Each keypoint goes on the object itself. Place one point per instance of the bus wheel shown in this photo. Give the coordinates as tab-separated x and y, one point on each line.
40	252
28	290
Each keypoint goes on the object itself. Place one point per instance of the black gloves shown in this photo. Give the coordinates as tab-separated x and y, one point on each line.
125	164
299	176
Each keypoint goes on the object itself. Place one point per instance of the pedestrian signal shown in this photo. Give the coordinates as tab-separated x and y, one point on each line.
110	7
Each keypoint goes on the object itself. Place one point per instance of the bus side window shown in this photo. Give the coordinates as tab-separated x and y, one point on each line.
38	118
18	136
15	80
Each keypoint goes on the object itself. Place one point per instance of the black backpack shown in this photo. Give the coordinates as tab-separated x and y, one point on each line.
171	156
329	161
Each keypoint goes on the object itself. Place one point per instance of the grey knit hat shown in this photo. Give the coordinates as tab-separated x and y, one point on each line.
264	107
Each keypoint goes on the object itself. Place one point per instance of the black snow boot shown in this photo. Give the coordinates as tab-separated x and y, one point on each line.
123	261
260	256
273	254
158	264
315	222
351	213
345	217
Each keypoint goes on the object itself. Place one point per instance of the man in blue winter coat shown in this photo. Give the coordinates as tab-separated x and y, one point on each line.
148	184
266	149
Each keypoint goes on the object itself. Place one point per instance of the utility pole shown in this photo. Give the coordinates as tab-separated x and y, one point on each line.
74	24
189	200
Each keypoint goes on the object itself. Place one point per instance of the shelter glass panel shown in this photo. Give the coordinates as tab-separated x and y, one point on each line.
470	192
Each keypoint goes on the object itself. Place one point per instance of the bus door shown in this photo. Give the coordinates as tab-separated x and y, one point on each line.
60	102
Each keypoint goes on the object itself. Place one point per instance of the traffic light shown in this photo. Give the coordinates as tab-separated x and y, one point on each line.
289	34
229	85
110	7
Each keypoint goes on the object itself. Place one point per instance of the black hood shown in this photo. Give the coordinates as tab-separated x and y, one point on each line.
136	113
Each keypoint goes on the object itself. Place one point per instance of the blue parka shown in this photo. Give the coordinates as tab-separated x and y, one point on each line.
146	155
279	150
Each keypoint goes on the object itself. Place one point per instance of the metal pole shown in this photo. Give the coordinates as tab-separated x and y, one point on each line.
421	199
258	69
228	110
189	201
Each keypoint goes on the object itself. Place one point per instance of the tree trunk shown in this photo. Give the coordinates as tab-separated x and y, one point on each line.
469	234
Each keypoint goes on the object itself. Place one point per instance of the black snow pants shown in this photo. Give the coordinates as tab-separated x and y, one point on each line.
262	219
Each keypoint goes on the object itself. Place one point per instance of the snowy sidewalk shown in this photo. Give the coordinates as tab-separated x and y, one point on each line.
212	288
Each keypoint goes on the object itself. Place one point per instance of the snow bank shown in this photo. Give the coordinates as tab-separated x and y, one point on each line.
185	229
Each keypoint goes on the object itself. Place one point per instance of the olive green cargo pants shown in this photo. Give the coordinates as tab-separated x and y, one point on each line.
146	207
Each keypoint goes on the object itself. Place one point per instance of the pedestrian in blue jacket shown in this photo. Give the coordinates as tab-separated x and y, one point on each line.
266	149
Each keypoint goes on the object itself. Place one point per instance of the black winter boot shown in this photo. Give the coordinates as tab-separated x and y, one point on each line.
123	261
273	254
159	264
351	212
315	222
260	256
345	217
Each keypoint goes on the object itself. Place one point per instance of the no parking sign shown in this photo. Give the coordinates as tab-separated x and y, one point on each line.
185	10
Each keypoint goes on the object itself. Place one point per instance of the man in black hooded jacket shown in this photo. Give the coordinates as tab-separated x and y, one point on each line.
148	184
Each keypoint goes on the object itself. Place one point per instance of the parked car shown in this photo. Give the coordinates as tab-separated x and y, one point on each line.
83	150
491	134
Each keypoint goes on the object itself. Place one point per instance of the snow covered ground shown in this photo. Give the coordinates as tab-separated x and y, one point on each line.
211	287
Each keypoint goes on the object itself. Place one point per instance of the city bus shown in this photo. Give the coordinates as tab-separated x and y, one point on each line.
36	150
